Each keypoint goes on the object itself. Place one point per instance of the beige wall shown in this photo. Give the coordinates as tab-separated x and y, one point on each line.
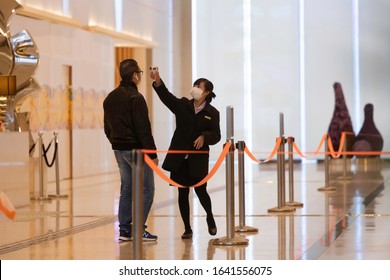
84	150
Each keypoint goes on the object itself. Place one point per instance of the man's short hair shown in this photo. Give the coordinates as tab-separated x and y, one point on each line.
127	68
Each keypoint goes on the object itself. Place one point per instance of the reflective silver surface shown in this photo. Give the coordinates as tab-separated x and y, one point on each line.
26	58
18	57
7	10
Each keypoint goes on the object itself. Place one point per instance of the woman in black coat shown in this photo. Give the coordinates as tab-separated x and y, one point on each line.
197	127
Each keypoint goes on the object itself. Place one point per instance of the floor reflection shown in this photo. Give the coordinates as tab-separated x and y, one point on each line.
351	222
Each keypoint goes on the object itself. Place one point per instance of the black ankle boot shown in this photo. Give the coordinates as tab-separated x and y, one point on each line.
187	234
211	224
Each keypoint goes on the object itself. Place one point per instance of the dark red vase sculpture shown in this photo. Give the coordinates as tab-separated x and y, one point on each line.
369	138
341	121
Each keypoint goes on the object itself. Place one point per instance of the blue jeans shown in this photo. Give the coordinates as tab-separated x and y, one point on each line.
124	160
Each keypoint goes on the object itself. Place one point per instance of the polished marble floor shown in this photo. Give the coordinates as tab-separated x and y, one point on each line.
350	222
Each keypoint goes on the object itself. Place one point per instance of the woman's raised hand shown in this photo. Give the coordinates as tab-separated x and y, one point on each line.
155	74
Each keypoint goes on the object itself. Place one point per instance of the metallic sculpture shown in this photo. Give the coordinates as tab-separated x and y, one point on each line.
18	57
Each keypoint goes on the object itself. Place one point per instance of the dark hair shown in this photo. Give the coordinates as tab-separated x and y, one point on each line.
208	86
127	68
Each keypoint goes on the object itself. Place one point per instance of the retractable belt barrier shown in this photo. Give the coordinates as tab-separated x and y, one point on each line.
43	151
228	154
156	169
7	207
328	151
242	227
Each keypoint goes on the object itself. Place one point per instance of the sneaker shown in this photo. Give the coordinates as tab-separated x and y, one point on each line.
124	235
148	236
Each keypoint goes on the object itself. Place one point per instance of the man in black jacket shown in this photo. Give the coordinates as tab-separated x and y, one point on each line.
127	127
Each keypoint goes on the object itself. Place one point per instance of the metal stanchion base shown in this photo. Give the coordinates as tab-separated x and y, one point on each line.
327	189
283	209
41	198
246	229
231	241
295	204
58	196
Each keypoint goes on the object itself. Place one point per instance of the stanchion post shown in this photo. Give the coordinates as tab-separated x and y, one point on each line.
137	202
241	190
57	169
345	176
281	165
41	196
282	168
41	183
282	207
291	202
327	187
230	238
230	193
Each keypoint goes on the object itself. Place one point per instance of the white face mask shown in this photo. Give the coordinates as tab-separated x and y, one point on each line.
196	93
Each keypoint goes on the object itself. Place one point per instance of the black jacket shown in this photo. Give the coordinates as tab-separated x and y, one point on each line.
126	119
190	126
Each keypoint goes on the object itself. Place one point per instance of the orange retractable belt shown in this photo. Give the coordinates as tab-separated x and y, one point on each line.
156	169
